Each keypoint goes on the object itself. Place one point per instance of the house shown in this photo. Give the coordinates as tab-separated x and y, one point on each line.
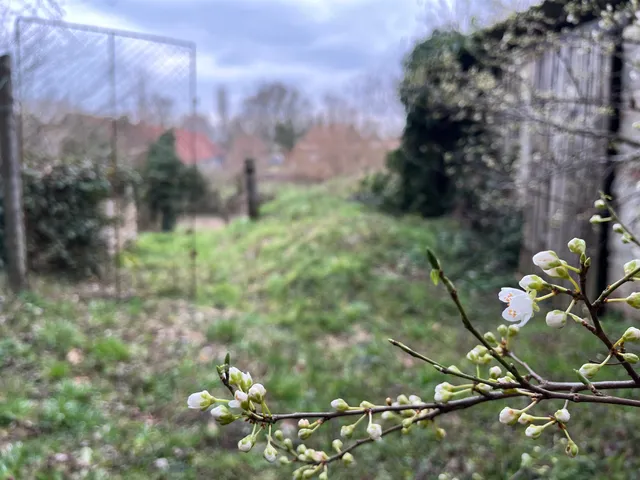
575	90
331	150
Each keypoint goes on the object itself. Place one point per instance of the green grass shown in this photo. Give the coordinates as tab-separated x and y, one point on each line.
305	300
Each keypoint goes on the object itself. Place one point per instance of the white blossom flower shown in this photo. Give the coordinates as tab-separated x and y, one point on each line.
509	416
556	319
563	415
547	260
375	431
632	334
270	453
340	405
519	305
240	402
558	272
200	400
257	393
246	444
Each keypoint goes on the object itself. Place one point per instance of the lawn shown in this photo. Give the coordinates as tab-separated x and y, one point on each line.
305	300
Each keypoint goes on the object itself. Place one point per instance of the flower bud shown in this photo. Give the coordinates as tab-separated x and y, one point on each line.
304	433
323	476
599	204
589	370
483	387
526	460
558	272
288	443
405	431
303	423
534	431
509	416
547	260
407	422
491	338
403	400
309	473
235	376
631	266
454	369
388	416
495	372
408	413
246	443
200	400
337	445
415	400
340	405
301	449
283	460
571	449
632	334
631	357
556	319
375	431
618	228
270	453
513	330
222	415
633	300
442	396
577	246
257	393
367	405
563	415
441	433
347	431
532	282
246	381
526	419
595	219
503	330
348	459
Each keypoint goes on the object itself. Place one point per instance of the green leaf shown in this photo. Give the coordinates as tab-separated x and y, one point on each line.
435	277
433	260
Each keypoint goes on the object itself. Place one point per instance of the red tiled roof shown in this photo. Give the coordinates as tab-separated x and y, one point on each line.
192	148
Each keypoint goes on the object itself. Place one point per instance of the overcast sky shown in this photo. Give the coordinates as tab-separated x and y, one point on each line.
316	44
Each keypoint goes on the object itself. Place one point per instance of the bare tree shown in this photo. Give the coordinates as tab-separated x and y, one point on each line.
162	108
277	112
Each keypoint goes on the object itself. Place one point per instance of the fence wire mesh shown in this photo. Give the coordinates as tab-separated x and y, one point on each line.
106	97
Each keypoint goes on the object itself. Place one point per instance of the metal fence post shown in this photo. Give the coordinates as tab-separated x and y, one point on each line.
14	240
252	189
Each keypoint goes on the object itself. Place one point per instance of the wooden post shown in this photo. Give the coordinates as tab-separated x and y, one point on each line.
14	234
252	188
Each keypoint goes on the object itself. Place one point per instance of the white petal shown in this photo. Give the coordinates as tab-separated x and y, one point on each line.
507	294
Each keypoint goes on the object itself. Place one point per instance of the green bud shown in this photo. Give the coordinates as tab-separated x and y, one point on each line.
526	460
304	433
367	405
403	400
323	476
577	246
513	330
572	449
279	435
433	260
347	431
348	459
618	228
600	204
595	219
631	357
589	370
408	413
309	473
491	338
302	448
288	443
337	445
631	266
633	300
283	460
632	334
440	433
435	277
407	422
503	330
405	431
340	405
454	369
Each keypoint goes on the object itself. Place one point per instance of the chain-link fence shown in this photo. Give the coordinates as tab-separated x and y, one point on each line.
108	97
